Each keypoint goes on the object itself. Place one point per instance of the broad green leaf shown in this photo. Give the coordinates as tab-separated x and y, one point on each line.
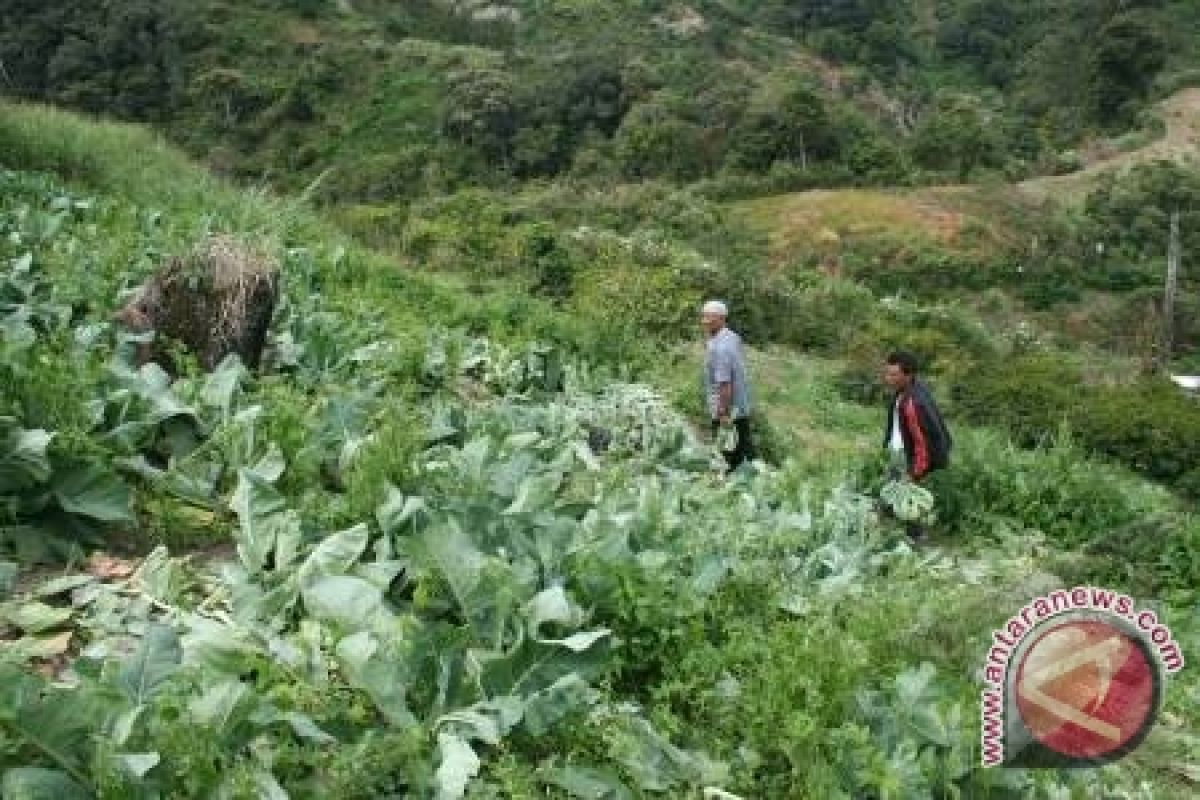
131	436
222	384
34	783
62	585
253	606
796	604
335	554
472	725
193	482
374	670
158	577
268	786
711	573
87	336
8	576
311	638
486	590
156	387
522	440
913	685
655	763
257	505
305	728
287	653
35	617
534	494
152	665
916	704
23	460
350	602
928	723
713	793
587	784
397	509
288	537
349	453
270	467
90	593
446	425
122	727
585	456
90	491
475	461
56	724
457	765
355	651
532	667
545	708
138	764
180	438
22	263
221	707
216	645
381	573
550	605
487	722
17	331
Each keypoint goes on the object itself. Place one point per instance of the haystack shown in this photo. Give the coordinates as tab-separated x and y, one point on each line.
214	301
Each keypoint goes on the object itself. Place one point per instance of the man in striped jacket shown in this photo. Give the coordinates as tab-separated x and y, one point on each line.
915	428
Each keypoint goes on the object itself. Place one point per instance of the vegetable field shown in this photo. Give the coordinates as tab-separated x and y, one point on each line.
400	561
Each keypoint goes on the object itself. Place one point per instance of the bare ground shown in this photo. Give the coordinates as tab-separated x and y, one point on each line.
806	224
1180	112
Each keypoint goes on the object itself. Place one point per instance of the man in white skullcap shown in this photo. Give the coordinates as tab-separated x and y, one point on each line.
726	390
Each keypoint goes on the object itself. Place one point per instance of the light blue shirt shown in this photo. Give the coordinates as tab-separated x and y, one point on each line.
725	362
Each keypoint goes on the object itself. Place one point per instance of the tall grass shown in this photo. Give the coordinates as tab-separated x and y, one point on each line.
138	169
136	164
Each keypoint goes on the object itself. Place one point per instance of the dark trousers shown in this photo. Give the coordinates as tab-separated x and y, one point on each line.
745	448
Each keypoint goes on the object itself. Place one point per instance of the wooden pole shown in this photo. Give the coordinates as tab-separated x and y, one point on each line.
1173	257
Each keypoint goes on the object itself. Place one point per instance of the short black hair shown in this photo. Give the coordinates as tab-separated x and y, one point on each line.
905	360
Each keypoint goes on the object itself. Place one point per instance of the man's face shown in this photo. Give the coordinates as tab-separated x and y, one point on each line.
710	322
894	376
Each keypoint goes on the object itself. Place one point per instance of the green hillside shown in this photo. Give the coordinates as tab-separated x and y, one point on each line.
462	534
412	576
395	100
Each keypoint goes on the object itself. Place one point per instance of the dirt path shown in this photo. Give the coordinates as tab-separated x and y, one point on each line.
1180	112
797	224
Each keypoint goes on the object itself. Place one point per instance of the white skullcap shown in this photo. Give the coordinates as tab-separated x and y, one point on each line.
714	307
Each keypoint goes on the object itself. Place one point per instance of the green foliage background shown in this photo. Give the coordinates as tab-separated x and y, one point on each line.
495	226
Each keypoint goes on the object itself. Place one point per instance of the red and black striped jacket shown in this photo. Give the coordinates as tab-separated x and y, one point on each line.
927	440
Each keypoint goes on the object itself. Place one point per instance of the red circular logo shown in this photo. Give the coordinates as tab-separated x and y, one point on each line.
1086	689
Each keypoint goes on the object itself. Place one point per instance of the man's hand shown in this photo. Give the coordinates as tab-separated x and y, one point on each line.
724	402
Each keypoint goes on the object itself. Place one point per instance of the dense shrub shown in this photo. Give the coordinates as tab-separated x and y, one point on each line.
1131	214
546	258
1149	426
891	263
1104	526
1029	396
1117	530
947	342
829	313
1152	426
1053	489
